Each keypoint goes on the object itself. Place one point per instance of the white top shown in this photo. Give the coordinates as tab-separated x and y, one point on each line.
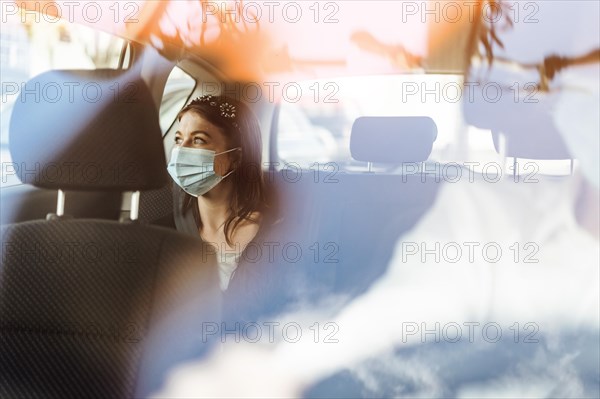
228	263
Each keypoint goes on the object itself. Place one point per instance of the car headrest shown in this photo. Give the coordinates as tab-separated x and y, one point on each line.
392	139
536	139
87	130
526	119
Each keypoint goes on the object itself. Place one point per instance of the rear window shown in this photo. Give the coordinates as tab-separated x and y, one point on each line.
314	129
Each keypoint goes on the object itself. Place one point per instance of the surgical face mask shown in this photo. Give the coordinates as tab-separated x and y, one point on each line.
193	169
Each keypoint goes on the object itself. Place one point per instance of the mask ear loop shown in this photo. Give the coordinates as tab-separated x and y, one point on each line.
233	149
224	152
228	173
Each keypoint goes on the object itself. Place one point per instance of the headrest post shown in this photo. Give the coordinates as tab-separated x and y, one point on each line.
572	166
514	166
135	205
502	148
60	203
370	167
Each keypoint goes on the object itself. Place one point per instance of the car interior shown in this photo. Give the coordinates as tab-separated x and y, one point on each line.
101	295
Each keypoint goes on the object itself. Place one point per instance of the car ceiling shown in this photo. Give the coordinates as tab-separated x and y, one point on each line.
350	37
342	38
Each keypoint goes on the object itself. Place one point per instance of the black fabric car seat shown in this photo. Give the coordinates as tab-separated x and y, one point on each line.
89	307
350	222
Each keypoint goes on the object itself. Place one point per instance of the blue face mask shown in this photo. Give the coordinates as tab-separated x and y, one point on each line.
193	169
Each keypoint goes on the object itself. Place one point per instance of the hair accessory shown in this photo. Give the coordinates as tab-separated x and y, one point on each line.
202	99
207	98
227	110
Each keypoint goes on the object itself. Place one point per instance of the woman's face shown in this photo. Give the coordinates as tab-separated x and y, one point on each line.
196	132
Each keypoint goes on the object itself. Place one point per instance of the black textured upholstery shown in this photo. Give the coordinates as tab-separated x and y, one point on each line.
79	301
156	206
79	130
89	307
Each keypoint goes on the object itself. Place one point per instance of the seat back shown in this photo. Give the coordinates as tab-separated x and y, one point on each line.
85	306
363	216
88	307
348	223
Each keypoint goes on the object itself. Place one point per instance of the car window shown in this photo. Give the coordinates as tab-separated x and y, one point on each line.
317	127
314	127
178	89
30	45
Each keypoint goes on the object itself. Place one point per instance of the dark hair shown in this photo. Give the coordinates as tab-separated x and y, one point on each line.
241	127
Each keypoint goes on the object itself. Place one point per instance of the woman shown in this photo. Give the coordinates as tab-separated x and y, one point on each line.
216	162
